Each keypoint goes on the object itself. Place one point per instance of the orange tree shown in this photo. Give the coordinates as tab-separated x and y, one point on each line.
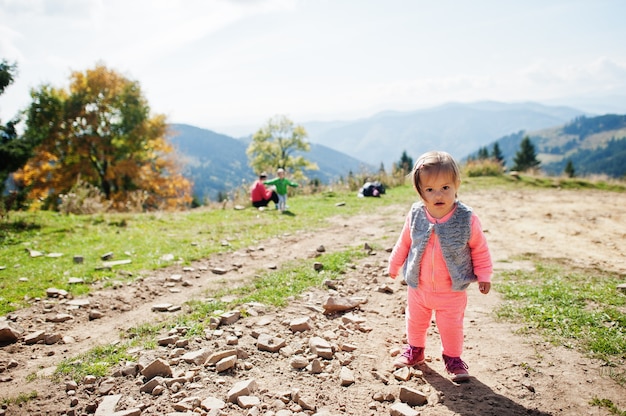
101	133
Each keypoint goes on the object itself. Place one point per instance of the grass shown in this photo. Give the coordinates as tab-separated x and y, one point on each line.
579	309
609	405
146	239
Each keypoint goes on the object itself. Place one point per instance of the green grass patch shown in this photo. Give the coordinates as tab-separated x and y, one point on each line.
609	405
273	288
96	362
20	399
580	309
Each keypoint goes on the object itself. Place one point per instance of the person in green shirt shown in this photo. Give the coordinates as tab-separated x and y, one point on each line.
281	183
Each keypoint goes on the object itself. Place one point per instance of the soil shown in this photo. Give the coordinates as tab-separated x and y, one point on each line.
512	372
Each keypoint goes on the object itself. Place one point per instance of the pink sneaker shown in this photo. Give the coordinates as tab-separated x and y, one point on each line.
456	368
410	357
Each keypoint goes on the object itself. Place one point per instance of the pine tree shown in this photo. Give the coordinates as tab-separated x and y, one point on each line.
497	155
569	169
526	157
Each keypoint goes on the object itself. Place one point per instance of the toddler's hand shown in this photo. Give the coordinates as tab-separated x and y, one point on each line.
484	287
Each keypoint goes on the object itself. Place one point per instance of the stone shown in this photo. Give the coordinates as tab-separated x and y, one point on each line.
107	405
269	343
34	337
402	409
242	388
197	357
229	318
339	304
321	348
300	324
226	363
298	362
161	307
157	367
95	314
412	397
10	333
220	355
212	403
346	377
150	385
247	402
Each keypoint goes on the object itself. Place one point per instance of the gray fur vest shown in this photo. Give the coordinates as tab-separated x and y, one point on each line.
454	236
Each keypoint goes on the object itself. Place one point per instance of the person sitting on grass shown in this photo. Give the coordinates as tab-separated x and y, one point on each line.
260	195
281	184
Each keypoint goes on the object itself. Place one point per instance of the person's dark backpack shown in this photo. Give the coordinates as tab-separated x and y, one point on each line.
375	189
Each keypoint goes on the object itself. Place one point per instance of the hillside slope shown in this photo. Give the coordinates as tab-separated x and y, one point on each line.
594	145
459	129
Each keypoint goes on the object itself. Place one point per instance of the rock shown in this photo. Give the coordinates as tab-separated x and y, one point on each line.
220	355
161	307
10	332
107	405
212	403
95	314
219	270
298	362
157	367
402	409
321	348
34	253
246	402
229	318
59	317
269	343
338	304
226	363
198	357
151	384
242	388
346	377
412	397
79	303
300	324
402	374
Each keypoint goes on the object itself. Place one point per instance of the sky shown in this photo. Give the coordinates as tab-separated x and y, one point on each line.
230	65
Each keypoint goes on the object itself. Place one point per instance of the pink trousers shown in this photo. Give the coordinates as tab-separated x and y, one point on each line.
449	308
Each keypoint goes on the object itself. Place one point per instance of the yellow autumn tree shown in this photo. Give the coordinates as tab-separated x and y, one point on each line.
100	132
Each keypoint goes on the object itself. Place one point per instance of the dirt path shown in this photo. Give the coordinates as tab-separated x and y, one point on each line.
511	374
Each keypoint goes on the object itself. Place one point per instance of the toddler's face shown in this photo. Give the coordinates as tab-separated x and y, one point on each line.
438	191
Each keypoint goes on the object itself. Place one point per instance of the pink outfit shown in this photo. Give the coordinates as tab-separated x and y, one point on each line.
434	290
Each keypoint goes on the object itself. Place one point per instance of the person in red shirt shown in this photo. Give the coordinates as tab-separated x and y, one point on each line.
260	195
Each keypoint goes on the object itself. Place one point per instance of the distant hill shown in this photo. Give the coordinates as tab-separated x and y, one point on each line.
594	145
218	163
459	129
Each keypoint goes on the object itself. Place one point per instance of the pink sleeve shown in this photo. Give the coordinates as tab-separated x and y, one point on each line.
401	249
481	258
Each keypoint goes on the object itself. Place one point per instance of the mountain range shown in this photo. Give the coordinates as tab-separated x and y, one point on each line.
217	163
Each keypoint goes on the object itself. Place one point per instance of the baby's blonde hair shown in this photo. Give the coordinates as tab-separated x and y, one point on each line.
435	162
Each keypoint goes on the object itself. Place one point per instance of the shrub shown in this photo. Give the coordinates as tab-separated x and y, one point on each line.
483	167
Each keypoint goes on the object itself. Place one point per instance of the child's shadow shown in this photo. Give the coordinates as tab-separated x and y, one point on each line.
475	398
289	213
